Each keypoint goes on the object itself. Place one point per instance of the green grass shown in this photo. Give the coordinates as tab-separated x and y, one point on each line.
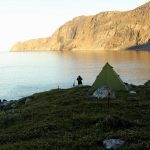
69	120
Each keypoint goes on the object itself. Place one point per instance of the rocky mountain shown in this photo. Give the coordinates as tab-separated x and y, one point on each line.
104	31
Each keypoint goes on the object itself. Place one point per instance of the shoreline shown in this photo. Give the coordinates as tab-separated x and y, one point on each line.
5	102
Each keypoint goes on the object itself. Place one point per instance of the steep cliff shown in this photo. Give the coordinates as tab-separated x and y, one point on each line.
104	31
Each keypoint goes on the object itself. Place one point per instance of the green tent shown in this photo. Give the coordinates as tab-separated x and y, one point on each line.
108	77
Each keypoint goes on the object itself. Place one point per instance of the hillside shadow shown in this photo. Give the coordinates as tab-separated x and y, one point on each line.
140	47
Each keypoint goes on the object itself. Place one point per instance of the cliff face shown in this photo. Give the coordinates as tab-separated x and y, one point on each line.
104	31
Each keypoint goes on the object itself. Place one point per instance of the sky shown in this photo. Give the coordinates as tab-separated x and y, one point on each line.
22	20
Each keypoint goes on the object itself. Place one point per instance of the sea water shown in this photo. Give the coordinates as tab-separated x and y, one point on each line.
25	73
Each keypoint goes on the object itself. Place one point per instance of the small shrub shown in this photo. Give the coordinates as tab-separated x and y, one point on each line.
114	123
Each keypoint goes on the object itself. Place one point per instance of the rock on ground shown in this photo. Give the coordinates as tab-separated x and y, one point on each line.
113	143
104	92
147	83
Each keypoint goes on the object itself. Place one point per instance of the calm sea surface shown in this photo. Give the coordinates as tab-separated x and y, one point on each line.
23	74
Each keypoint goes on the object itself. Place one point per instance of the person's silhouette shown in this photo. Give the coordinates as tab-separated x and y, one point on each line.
79	79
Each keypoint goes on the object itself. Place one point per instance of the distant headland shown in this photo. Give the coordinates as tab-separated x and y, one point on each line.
104	31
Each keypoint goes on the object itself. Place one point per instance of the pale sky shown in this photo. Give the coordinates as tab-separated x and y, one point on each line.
26	19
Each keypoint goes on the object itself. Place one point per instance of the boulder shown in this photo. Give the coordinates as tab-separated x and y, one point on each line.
104	92
113	143
5	102
28	100
132	92
147	83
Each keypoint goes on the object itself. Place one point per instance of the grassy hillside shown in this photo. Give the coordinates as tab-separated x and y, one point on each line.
72	120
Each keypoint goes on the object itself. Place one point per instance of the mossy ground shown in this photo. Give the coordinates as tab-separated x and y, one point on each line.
68	120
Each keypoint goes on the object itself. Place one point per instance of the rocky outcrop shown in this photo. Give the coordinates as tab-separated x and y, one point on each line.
104	31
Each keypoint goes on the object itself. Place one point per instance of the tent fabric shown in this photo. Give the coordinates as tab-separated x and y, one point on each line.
108	77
